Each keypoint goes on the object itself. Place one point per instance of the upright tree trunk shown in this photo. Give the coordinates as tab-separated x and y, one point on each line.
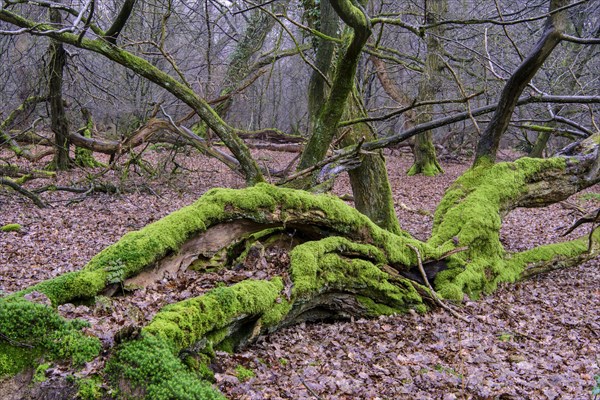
254	37
426	162
59	123
317	87
326	126
540	144
370	184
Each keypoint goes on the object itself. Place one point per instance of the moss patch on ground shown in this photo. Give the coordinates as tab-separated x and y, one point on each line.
31	330
150	368
10	228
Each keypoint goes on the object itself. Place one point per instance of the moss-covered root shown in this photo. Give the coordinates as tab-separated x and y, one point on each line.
262	204
426	161
432	168
470	213
555	256
30	331
150	367
340	266
331	277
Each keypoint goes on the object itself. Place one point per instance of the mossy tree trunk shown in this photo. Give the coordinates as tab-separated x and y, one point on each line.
426	161
369	181
325	49
259	26
537	151
325	129
339	265
59	123
84	157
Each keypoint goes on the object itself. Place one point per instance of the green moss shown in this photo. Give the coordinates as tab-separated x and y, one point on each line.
198	362
244	374
319	267
262	203
566	252
70	286
426	168
89	389
40	373
11	228
185	323
376	309
590	196
84	157
469	214
150	368
14	359
37	329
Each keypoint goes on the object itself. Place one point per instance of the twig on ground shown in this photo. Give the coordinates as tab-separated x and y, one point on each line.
435	296
310	390
20	189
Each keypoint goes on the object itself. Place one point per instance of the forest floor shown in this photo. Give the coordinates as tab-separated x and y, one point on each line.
537	339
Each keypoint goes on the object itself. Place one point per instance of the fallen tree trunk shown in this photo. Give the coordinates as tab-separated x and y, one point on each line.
333	262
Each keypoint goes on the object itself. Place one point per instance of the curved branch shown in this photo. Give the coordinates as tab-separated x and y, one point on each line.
552	36
118	24
579	40
20	189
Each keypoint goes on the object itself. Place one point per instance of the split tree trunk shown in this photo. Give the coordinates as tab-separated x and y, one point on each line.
369	180
340	265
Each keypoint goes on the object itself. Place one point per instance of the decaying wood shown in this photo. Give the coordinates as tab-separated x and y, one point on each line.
203	246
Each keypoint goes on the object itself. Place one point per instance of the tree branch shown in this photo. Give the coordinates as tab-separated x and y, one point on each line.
117	26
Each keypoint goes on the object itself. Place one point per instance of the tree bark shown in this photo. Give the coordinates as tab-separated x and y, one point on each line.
369	181
343	82
317	87
59	123
426	162
113	32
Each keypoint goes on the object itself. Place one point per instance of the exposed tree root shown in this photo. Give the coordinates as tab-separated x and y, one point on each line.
337	264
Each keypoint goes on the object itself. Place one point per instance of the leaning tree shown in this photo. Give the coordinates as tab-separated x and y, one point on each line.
328	260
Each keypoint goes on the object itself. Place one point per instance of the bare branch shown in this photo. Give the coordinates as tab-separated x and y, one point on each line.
115	29
575	39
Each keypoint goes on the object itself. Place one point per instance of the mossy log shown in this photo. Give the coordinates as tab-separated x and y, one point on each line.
339	265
